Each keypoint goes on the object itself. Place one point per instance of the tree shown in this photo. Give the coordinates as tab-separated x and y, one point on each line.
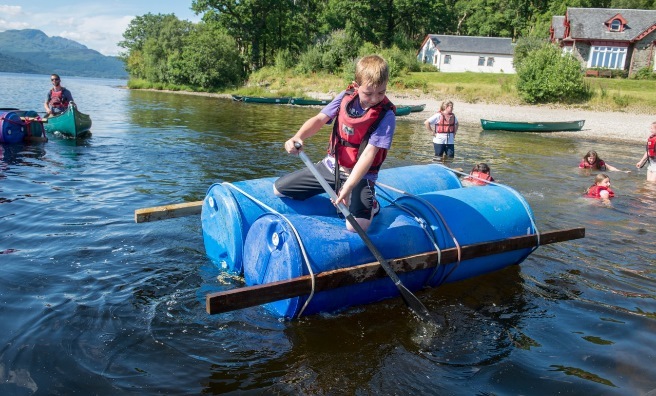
152	43
210	58
547	75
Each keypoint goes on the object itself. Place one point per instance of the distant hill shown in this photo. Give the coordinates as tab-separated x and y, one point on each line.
32	51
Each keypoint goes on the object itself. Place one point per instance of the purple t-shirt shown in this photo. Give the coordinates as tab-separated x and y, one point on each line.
381	137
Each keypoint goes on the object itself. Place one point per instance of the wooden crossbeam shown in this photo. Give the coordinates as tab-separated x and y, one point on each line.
167	211
249	296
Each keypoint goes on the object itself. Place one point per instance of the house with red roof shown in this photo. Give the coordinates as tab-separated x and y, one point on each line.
607	38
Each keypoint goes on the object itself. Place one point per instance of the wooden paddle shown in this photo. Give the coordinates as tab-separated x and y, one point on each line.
249	296
167	211
410	299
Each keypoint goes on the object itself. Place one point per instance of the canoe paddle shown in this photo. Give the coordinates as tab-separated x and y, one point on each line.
410	299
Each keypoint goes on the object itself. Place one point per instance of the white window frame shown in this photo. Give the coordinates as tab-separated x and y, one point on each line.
616	25
447	59
481	61
490	61
607	57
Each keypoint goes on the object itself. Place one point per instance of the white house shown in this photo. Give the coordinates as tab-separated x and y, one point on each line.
467	53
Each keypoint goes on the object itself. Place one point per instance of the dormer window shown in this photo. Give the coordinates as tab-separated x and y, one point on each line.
616	25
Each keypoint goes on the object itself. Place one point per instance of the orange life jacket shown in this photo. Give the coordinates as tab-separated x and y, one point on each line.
595	190
446	126
351	134
651	146
57	99
475	175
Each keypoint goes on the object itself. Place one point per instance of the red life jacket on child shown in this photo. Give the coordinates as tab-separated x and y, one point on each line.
475	175
651	146
57	99
599	164
351	134
595	190
444	125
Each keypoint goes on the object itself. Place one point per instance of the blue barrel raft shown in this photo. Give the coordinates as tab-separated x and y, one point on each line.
229	210
33	124
275	247
12	128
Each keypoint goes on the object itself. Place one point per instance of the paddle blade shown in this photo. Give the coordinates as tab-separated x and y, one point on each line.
414	304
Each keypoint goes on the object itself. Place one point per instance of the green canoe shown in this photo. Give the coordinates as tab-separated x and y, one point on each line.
518	126
414	108
260	99
403	110
71	123
309	102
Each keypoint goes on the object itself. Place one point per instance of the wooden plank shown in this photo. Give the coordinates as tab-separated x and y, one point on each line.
167	211
249	296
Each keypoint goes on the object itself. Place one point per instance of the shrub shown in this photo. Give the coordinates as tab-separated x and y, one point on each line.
644	74
546	75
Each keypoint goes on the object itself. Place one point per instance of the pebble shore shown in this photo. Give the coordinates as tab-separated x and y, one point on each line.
616	126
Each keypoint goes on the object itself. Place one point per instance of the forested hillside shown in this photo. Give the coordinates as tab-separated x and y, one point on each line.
321	35
32	51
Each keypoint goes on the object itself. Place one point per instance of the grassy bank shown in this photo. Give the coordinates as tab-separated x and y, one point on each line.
631	96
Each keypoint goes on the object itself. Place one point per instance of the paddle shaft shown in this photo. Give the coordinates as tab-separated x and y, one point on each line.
410	299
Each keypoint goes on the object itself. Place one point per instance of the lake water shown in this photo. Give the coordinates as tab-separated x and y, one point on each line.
92	303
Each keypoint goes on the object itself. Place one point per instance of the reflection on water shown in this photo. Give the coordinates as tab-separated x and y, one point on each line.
98	302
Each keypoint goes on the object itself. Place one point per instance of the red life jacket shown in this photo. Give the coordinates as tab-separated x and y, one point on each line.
651	146
351	134
475	175
594	191
57	99
446	126
599	164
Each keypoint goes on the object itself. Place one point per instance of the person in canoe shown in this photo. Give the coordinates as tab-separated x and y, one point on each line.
364	125
601	188
591	160
58	97
650	155
444	126
479	175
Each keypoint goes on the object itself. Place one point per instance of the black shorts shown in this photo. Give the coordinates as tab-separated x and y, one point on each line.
302	184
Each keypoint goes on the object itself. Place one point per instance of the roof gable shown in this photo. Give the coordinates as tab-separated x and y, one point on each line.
472	44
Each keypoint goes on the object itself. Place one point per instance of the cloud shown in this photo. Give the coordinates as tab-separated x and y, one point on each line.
14	18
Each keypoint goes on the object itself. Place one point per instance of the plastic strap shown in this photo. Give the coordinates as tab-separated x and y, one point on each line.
298	238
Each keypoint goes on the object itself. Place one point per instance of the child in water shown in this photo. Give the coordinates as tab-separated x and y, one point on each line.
601	188
479	175
591	160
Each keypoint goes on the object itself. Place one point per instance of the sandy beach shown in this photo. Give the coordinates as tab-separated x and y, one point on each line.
616	126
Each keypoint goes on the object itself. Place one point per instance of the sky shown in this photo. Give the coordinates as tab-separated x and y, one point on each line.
99	25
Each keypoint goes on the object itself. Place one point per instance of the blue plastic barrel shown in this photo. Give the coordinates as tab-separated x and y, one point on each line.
273	253
228	213
11	128
473	215
33	128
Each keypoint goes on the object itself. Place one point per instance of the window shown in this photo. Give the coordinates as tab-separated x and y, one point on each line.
608	57
490	61
481	61
447	59
435	60
616	25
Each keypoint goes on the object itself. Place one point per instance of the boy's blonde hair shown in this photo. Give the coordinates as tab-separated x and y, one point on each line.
446	104
601	177
372	70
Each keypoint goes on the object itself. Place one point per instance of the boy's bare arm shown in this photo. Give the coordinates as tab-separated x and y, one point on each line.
308	129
